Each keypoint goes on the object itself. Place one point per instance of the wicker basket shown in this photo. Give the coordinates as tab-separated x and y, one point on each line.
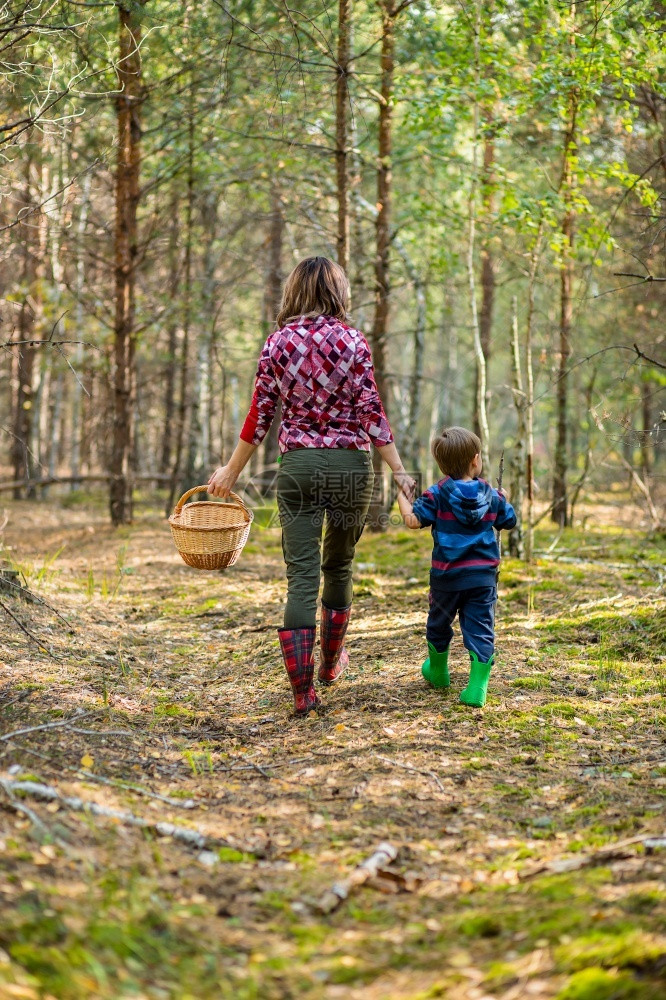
210	535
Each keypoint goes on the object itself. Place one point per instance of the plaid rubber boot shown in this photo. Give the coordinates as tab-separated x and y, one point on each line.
297	646
334	656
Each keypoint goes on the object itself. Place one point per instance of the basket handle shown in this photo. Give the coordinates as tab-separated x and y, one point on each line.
200	489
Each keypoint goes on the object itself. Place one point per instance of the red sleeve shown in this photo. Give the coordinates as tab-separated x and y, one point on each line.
264	400
368	404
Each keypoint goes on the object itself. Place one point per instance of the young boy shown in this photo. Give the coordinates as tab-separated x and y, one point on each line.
462	511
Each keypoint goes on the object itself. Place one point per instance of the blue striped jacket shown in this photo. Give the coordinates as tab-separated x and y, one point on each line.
462	515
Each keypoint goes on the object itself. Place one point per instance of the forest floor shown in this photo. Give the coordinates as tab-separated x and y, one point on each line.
164	696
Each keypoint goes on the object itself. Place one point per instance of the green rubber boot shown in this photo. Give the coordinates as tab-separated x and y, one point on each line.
436	668
477	686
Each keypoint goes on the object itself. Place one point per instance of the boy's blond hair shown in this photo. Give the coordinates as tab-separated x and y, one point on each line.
454	450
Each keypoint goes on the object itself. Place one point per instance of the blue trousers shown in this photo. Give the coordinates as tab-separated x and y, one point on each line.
476	612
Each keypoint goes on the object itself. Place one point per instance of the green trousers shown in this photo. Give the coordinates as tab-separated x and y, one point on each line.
317	486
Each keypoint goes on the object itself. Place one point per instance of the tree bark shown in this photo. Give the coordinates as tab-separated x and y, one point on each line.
412	439
535	256
77	390
646	420
128	109
560	512
481	419
181	413
24	356
272	298
198	439
382	242
342	129
487	259
518	463
173	257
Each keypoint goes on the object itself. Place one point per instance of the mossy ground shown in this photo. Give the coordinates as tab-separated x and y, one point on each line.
181	674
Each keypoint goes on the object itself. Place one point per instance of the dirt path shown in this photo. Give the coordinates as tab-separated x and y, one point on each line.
178	673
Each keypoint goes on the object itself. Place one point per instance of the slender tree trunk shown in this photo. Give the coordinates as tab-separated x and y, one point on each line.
342	129
535	257
24	356
79	354
383	242
193	464
272	298
518	462
412	439
646	421
22	464
137	451
480	398
39	443
487	259
55	212
128	105
55	425
181	414
210	316
197	449
39	439
173	256
560	513
450	373
586	445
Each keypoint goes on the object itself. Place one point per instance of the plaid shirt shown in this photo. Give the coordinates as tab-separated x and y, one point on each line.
322	371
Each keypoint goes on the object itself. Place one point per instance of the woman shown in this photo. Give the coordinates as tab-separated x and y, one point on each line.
321	370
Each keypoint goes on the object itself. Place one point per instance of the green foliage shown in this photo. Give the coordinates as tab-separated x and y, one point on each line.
599	984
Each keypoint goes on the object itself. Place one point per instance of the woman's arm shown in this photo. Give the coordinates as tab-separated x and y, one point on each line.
224	479
264	399
410	519
254	430
405	483
372	417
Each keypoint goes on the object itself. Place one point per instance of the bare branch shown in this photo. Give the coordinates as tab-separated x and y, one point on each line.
29	634
642	277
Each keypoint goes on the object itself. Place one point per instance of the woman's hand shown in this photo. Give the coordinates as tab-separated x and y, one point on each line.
222	481
405	483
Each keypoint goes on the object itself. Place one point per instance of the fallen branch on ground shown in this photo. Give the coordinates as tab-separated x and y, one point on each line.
40	645
47	793
557	866
19	807
46	725
417	770
7	578
338	892
129	787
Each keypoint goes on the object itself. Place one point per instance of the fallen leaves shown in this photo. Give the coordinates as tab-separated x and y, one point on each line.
385	758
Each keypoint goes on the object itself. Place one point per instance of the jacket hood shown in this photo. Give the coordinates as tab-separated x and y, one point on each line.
470	502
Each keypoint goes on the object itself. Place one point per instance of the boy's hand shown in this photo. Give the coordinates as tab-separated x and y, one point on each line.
405	483
502	492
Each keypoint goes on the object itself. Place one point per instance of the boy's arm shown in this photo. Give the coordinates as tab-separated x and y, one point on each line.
410	519
423	512
506	515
